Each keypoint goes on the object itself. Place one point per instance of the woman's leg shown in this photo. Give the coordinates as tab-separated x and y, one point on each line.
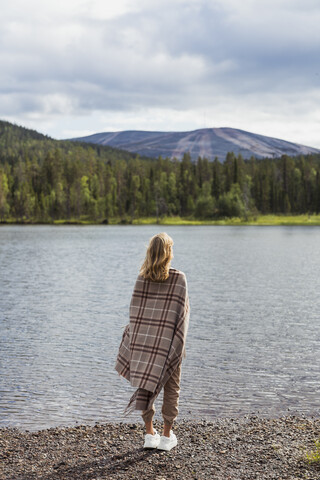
147	416
171	392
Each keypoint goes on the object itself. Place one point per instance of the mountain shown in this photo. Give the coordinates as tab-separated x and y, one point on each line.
206	142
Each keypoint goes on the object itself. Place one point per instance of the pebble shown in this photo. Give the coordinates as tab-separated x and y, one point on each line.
243	448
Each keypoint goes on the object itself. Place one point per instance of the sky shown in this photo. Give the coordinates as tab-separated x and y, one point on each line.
71	68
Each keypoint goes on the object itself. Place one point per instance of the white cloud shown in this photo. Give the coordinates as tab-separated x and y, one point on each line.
162	65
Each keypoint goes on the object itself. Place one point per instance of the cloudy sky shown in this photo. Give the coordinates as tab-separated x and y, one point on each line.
76	67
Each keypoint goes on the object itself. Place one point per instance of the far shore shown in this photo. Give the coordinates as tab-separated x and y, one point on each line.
234	449
263	220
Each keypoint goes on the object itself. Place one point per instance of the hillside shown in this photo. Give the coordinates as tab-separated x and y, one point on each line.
8	130
19	143
207	142
46	180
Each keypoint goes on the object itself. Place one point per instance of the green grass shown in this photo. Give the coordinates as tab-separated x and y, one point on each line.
285	220
256	220
83	220
314	455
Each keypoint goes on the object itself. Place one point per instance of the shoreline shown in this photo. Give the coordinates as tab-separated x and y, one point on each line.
249	447
259	220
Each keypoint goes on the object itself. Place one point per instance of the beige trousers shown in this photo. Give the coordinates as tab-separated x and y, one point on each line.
170	403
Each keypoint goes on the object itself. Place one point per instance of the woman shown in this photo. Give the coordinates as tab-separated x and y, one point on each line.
153	343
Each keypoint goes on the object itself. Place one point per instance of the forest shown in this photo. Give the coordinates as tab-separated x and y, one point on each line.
43	180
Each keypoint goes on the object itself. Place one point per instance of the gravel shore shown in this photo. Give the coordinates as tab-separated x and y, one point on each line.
223	449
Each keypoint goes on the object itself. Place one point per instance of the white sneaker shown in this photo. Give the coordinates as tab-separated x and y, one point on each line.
167	443
151	441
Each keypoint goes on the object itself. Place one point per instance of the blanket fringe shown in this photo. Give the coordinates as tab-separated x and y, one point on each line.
131	405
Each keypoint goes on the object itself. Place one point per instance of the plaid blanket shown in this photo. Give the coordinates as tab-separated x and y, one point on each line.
153	343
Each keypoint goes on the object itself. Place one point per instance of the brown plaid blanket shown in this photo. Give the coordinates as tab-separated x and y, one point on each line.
153	343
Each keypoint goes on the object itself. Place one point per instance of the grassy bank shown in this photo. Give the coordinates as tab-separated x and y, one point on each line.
257	220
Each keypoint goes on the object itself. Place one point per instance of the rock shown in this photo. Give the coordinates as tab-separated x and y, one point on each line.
244	448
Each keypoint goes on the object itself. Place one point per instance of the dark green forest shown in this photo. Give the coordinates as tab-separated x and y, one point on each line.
43	180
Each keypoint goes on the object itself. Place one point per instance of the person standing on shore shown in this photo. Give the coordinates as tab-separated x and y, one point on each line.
153	343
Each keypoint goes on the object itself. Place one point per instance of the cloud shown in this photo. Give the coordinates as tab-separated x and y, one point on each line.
99	59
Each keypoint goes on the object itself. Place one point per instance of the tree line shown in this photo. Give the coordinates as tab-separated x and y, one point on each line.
42	180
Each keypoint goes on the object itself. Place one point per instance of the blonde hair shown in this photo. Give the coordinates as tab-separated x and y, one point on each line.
158	257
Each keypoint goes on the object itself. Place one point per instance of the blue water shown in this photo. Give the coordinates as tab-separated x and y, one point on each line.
254	337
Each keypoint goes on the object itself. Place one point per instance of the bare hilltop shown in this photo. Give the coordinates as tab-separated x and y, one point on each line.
206	142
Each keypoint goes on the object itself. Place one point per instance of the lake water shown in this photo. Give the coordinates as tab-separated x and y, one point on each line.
254	338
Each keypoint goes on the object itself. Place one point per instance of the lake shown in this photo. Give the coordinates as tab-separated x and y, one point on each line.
254	338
